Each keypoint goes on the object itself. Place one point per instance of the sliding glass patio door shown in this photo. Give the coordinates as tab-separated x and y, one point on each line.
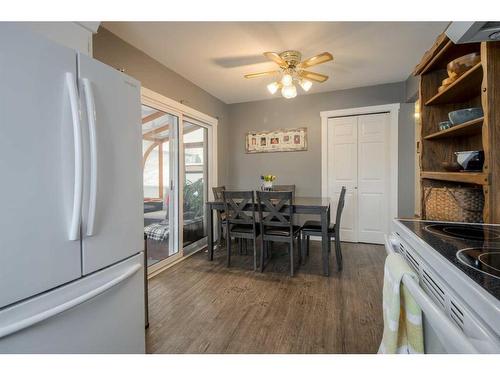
179	165
160	175
195	191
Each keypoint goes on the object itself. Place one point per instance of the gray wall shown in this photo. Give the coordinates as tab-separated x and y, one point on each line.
153	75
412	84
304	168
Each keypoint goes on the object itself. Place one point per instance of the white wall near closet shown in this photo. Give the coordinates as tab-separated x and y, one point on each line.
358	157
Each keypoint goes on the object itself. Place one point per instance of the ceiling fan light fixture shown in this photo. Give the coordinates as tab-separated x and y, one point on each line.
293	72
289	91
287	79
273	87
305	84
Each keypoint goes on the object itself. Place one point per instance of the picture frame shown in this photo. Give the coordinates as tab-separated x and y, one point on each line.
279	140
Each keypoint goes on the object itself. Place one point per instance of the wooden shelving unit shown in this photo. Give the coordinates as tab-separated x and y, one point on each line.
478	87
465	129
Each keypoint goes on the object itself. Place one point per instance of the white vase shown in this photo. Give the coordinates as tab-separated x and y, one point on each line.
267	185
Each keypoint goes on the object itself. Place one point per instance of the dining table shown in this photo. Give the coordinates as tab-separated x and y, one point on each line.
301	205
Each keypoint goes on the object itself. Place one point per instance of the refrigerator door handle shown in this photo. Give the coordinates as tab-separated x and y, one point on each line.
44	315
91	115
77	139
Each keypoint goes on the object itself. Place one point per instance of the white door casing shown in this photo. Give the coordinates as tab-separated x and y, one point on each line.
163	103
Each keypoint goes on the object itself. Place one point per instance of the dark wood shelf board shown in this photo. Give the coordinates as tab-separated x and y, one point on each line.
467	128
478	178
464	88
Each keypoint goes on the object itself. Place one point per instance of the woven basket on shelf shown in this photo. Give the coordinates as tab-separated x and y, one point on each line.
463	204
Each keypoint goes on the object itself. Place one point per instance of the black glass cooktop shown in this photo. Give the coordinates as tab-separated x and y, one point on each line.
464	231
473	248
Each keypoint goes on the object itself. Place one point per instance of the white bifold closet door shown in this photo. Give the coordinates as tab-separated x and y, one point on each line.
358	158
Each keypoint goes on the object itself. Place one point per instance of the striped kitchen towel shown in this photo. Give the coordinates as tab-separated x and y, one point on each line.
403	333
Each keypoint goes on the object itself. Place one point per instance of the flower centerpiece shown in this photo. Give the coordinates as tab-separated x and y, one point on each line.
267	181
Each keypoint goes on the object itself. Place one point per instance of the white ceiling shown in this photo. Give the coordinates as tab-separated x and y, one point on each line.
216	55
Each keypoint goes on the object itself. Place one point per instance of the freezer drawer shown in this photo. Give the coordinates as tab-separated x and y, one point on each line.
100	313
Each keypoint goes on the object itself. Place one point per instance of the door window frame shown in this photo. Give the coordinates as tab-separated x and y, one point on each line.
184	113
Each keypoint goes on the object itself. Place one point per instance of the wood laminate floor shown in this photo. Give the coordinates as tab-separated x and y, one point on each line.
199	306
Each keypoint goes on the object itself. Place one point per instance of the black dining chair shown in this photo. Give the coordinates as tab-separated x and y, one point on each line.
239	207
276	223
313	228
284	188
221	215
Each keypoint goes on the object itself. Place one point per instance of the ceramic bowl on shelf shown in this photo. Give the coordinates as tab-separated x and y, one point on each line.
443	125
460	65
470	160
464	115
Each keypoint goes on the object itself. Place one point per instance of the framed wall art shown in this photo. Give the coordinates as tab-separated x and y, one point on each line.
280	140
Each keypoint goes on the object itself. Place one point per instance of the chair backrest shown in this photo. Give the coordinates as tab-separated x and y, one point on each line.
340	208
235	203
285	188
217	190
275	209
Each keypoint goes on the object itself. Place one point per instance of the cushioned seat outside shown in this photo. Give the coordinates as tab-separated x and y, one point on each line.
245	228
315	225
280	231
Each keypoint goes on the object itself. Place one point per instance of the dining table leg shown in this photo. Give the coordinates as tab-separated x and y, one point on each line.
210	233
324	242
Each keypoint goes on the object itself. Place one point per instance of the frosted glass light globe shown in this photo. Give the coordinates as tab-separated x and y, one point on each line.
289	91
305	84
287	79
273	87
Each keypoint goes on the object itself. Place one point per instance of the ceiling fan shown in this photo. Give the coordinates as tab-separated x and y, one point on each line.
292	70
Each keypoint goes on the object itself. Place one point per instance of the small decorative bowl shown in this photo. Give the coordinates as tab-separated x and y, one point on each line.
470	160
464	115
460	65
443	125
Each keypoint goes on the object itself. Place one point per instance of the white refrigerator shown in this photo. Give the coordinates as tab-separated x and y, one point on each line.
71	229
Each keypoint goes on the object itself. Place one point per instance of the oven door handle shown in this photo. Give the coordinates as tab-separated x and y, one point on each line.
453	337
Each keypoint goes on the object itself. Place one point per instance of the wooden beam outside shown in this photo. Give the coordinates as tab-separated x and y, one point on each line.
146	154
152	116
194	145
157	130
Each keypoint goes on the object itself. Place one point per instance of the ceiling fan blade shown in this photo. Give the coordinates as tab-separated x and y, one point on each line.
315	60
313	76
261	74
273	56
